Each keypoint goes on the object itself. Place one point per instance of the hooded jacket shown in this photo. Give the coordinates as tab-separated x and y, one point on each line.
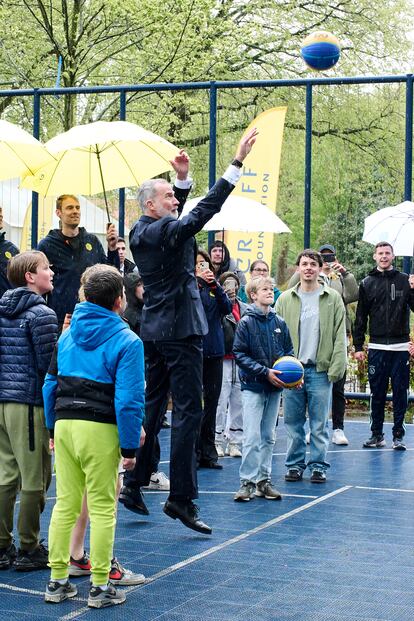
69	258
258	342
7	251
28	333
386	298
97	374
227	264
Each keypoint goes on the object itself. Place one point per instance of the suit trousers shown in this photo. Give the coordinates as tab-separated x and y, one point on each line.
174	366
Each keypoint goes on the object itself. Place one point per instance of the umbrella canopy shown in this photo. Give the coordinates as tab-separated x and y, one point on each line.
241	214
394	225
20	152
101	156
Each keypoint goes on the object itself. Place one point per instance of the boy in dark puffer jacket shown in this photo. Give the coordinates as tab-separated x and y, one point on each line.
28	332
261	338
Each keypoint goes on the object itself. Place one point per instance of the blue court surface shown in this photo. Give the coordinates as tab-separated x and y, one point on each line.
339	551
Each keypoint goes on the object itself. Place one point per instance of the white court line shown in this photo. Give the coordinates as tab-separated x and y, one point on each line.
386	489
11	587
156	491
192	559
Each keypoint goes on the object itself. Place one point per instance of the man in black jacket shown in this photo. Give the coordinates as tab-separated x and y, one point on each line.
385	298
70	251
173	324
7	251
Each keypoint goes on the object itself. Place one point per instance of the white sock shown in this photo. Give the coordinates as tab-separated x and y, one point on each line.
103	587
62	581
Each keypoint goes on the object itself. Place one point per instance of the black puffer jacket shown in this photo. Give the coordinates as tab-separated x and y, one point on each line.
386	299
7	251
28	333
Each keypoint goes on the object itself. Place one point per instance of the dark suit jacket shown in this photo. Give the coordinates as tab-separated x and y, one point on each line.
164	251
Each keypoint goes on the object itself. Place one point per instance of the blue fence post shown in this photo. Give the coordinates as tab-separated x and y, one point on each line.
308	168
408	153
121	197
212	146
35	195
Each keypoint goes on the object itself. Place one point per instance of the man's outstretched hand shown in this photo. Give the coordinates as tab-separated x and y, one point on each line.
181	165
246	144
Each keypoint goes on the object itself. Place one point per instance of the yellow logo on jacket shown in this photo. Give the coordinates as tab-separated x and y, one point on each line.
88	246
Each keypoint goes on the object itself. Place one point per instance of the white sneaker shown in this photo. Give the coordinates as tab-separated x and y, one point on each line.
308	438
234	450
159	481
220	450
338	437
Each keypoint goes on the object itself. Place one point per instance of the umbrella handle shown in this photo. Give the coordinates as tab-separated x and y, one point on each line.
103	185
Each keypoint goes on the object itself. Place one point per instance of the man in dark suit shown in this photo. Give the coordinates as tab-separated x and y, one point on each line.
173	324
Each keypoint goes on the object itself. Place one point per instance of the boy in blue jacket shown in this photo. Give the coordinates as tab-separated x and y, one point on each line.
28	333
261	338
94	405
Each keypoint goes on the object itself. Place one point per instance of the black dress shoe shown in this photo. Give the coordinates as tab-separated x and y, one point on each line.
210	464
187	512
133	500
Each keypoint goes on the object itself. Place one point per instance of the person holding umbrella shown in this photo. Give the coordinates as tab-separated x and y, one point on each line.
173	325
71	249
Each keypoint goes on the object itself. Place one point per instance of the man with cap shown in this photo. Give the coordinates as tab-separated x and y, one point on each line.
337	276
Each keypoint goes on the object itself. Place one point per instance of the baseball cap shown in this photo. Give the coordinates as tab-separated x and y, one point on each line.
327	247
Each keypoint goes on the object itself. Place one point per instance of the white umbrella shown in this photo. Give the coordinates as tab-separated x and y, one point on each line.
20	152
241	214
101	156
394	225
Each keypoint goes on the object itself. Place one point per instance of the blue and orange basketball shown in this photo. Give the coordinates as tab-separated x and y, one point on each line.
291	370
321	50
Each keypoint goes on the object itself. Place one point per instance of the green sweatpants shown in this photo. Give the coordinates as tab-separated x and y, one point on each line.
86	457
25	468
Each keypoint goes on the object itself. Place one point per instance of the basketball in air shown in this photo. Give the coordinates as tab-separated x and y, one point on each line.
321	50
291	370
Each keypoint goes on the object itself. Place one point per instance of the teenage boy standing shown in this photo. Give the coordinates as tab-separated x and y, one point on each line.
315	315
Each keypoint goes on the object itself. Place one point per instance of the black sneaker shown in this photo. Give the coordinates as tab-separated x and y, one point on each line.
29	561
293	474
398	444
318	477
101	598
375	442
7	556
133	500
56	592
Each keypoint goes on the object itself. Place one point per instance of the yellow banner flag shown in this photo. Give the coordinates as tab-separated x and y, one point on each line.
45	221
259	181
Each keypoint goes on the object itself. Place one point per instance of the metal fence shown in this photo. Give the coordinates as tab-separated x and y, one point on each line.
213	88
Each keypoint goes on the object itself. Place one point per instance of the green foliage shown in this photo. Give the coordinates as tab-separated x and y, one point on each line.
358	132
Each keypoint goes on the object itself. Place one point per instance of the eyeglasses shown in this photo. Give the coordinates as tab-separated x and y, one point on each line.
262	270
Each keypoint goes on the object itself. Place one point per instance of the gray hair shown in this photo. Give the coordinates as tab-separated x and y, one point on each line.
147	191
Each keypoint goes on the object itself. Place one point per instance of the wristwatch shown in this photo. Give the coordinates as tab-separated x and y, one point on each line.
237	163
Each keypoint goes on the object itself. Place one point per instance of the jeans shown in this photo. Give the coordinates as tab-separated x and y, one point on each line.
260	413
229	416
316	394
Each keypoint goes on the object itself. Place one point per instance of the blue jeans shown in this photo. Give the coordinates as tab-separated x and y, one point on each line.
316	394
260	413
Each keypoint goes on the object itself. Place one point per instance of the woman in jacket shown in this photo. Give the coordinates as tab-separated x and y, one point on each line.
216	305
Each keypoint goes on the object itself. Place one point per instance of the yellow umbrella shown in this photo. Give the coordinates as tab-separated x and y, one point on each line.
101	156
20	152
